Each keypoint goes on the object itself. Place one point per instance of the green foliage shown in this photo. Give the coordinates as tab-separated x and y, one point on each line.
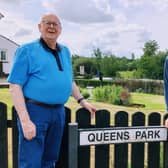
85	93
88	64
148	66
152	67
112	94
133	85
125	74
150	48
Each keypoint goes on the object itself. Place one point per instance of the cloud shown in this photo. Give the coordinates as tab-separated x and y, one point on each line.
12	1
15	27
144	36
88	11
158	4
23	32
119	26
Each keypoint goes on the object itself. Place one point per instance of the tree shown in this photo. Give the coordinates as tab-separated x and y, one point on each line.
150	48
88	64
98	54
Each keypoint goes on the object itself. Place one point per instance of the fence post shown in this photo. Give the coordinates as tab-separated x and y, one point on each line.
15	138
137	158
121	120
83	119
3	136
154	147
102	151
73	145
63	156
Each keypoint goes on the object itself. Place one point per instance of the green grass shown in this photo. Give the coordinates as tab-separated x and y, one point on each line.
151	102
6	98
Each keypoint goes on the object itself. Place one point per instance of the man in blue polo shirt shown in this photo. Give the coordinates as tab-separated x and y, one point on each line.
41	82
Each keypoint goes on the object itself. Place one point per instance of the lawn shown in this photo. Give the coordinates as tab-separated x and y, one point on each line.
153	103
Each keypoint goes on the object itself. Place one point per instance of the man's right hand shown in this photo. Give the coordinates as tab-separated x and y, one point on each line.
166	123
29	129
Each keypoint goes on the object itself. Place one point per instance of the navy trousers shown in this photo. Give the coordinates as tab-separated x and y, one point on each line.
43	150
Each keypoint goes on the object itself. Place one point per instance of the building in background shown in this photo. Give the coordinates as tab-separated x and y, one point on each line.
7	50
1	15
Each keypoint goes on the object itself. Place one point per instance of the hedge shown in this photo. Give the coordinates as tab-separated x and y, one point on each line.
133	85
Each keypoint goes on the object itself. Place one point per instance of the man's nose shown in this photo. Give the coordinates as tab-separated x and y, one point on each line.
51	25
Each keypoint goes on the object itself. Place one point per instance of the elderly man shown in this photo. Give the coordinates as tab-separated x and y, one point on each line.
41	81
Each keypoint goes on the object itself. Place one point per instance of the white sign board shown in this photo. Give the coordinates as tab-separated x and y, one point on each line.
82	70
122	135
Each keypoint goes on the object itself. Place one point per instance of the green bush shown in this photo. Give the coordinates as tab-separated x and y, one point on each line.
112	94
85	93
133	85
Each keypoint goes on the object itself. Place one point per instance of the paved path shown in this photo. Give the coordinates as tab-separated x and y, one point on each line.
3	80
3	83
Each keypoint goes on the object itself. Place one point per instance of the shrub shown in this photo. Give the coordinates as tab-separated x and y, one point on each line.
112	94
84	93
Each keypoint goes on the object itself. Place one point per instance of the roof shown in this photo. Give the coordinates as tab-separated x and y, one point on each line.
9	40
1	15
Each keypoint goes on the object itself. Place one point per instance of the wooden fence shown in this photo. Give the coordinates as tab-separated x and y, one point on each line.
132	155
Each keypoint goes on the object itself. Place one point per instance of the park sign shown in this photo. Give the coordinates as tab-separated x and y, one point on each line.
95	136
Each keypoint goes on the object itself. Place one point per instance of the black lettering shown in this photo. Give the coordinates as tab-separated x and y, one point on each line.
143	135
91	137
126	135
137	134
120	135
157	134
113	136
99	137
106	136
150	134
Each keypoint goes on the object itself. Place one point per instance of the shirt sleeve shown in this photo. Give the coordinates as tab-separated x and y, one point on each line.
165	78
70	61
19	72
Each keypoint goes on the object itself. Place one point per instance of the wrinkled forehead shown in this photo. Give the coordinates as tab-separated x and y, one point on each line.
50	17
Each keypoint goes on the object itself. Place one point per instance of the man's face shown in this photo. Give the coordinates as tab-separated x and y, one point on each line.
50	27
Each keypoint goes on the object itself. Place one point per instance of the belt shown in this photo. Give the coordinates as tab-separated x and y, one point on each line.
41	104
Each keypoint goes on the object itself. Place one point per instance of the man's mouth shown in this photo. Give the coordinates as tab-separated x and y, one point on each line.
51	31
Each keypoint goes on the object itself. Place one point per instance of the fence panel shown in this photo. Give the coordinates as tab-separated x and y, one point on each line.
121	120
154	147
102	152
63	159
3	136
83	119
137	153
102	155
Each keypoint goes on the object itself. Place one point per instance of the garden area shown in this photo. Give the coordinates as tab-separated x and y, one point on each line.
100	99
139	101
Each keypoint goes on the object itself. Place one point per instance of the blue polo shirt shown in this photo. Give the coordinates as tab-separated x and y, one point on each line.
36	70
165	78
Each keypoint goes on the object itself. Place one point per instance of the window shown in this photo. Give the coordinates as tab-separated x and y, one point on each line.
3	56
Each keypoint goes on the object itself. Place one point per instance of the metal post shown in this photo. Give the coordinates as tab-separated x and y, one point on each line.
73	145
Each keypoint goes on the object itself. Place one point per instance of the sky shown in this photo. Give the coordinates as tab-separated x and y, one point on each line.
119	27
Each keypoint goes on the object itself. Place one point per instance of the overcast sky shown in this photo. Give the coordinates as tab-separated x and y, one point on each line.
120	27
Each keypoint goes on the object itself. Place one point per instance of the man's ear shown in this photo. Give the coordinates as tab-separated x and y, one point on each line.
39	27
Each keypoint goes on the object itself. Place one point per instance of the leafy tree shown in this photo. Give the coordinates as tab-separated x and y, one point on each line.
150	48
98	55
88	64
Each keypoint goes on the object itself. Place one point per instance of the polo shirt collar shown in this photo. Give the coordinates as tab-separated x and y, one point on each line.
44	44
